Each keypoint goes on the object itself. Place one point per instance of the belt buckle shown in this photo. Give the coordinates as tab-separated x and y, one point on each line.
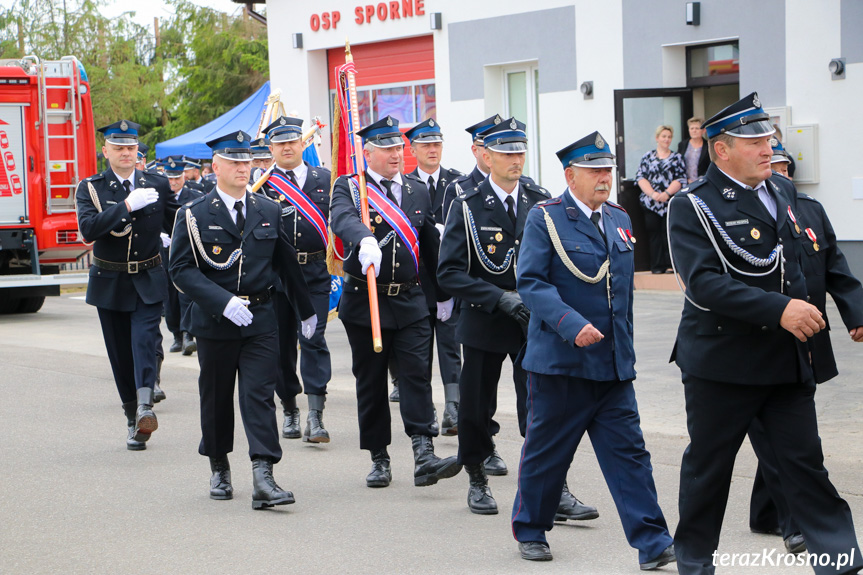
245	297
302	258
132	267
391	291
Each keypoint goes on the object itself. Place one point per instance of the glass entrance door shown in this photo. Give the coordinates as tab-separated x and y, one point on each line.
637	114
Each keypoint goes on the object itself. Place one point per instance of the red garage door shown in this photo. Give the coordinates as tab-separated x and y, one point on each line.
394	78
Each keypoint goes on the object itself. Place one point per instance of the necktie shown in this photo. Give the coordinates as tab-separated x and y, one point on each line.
431	186
510	209
292	177
388	184
241	219
595	217
127	185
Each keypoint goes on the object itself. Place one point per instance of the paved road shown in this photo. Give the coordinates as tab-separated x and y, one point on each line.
73	500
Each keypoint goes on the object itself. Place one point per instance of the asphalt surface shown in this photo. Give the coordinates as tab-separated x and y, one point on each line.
74	500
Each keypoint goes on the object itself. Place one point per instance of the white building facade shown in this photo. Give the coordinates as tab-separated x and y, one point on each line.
641	63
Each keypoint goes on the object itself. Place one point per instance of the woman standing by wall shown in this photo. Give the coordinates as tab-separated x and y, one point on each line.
660	175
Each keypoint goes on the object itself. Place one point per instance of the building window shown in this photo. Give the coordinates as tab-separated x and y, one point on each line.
521	100
712	64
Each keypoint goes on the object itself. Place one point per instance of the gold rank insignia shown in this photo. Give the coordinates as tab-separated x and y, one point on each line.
378	219
372	229
491	248
815	246
498	237
755	233
797	228
217	250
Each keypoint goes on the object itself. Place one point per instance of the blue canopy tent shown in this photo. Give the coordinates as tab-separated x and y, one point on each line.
246	117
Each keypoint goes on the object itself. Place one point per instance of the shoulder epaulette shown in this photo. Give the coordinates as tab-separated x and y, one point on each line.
470	193
548	202
95	177
618	206
196	201
802	196
455	173
693	185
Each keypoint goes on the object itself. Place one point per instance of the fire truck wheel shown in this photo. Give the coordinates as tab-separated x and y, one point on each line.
31	304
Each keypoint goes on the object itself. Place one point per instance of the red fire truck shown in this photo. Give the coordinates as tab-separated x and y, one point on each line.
47	144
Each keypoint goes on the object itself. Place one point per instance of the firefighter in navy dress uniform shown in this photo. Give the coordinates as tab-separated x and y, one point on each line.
262	158
228	250
576	274
742	344
426	145
479	269
192	173
177	303
826	271
303	195
401	218
122	211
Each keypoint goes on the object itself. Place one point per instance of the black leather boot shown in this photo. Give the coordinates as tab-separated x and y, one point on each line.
479	497
291	427
315	432
494	464
132	444
428	467
145	419
381	473
449	423
158	394
572	508
265	491
220	481
189	345
394	396
178	343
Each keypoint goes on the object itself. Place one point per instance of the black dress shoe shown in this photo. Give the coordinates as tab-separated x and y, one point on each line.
381	473
189	345
571	508
664	558
795	543
435	426
178	343
428	467
394	396
291	428
494	464
479	497
449	422
158	394
266	492
220	481
145	419
534	551
132	444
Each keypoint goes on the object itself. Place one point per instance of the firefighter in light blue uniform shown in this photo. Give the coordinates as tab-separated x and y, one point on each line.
575	274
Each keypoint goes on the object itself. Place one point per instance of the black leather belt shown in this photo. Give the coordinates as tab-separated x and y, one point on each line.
386	289
259	298
309	257
128	267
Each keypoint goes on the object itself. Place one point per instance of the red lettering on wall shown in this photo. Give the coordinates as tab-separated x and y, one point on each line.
420	7
315	23
382	11
408	8
370	11
337	16
325	20
394	10
359	12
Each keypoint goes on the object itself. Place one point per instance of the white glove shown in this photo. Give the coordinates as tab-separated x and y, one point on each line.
444	309
440	229
140	197
309	325
166	240
370	255
238	312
